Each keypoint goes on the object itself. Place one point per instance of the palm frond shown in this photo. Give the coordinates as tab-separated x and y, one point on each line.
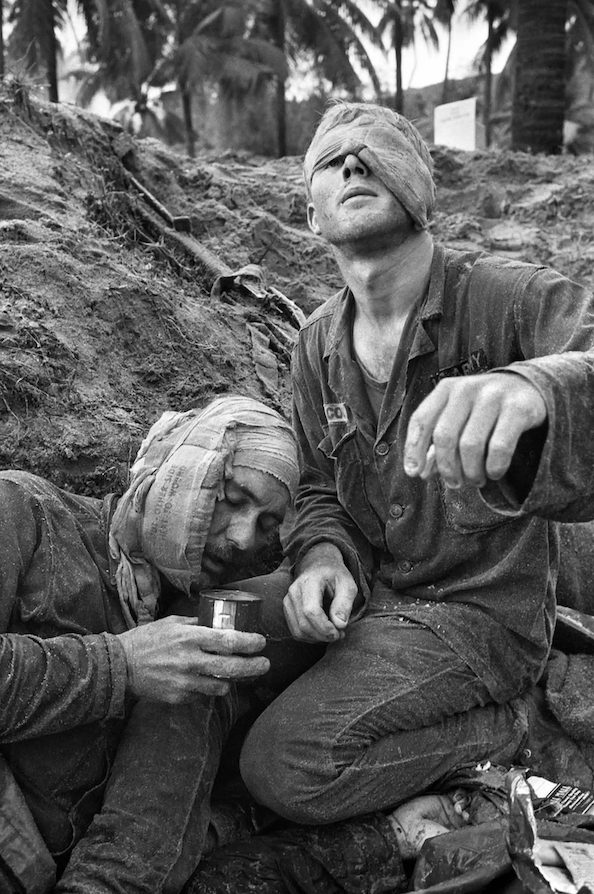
35	26
96	16
353	13
349	41
263	53
242	75
197	59
226	21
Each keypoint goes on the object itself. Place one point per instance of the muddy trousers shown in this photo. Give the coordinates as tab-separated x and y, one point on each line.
152	827
387	712
166	763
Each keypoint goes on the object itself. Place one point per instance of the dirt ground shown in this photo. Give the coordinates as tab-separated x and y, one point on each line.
106	312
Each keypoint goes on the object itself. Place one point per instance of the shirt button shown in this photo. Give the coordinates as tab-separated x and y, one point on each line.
396	510
382	448
404	566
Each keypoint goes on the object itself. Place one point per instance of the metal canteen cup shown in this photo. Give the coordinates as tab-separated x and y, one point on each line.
230	610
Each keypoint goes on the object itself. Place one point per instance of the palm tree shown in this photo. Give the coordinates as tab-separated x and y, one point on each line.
33	37
125	39
214	43
539	94
402	19
1	38
579	55
500	16
444	13
330	32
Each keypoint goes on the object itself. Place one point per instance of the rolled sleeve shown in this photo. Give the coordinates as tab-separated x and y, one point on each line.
56	684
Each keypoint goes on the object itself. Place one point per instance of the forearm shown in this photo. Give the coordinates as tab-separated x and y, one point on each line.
321	520
320	516
560	472
51	685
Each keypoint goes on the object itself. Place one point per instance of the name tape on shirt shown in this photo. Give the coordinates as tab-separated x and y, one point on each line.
335	413
476	363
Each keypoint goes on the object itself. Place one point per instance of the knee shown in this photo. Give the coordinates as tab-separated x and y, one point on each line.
280	776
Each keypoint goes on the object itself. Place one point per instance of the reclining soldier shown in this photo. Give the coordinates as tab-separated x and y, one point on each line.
114	714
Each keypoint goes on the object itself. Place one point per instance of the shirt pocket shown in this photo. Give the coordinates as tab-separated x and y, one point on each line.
466	511
342	449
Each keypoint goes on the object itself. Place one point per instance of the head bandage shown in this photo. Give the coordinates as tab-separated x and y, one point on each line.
162	521
388	144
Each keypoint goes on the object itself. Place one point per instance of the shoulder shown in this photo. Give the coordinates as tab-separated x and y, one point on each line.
22	484
316	336
499	282
28	485
23	490
489	266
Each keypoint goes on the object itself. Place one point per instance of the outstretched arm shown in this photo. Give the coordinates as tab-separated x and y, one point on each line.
521	432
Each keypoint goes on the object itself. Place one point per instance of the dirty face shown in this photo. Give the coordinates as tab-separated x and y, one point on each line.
349	204
253	507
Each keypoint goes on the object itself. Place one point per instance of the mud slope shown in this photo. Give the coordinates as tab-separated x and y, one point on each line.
106	313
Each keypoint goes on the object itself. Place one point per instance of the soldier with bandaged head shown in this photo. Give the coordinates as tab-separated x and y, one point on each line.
114	710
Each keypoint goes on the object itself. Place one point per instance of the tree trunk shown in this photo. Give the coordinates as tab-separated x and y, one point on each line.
281	118
52	53
539	95
1	38
278	28
186	97
398	41
446	76
488	77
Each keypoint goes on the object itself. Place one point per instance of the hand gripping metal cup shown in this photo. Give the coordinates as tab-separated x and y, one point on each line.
230	610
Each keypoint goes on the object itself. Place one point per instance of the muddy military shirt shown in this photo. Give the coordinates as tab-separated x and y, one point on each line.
62	671
477	567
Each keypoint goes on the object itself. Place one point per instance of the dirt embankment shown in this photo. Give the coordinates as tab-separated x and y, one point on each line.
106	313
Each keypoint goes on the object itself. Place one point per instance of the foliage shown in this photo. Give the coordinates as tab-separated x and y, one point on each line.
578	52
234	48
33	37
402	20
211	41
501	16
330	32
125	38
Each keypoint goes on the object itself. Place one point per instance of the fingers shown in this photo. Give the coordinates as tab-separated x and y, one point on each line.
307	620
342	604
224	642
220	653
420	431
304	603
230	667
174	658
467	430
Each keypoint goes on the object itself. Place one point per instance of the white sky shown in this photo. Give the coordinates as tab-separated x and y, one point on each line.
423	65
